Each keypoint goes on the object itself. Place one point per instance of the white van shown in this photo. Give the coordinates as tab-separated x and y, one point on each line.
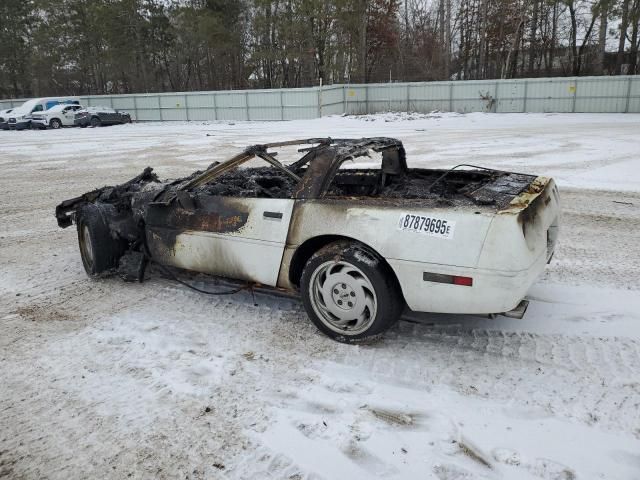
20	117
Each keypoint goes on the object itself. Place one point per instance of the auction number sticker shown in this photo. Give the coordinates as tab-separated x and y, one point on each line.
432	226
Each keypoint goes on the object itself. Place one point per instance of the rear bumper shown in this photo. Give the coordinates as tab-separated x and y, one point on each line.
492	291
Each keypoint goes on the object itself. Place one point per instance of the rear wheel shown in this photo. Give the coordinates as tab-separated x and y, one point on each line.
55	123
95	122
99	251
349	293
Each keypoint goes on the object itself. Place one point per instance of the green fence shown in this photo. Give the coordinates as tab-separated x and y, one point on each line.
620	94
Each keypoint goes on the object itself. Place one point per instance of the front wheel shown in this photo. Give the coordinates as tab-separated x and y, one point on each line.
349	293
95	122
100	252
55	124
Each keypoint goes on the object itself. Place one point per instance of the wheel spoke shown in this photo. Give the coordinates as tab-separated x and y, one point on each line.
366	313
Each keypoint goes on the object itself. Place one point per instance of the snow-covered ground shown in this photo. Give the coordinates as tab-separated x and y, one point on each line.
101	379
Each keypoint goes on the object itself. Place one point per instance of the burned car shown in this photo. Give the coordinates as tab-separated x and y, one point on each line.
358	244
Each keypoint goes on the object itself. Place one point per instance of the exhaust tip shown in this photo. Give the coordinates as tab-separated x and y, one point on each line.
517	312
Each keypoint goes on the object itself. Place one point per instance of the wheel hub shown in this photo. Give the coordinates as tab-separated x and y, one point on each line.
344	296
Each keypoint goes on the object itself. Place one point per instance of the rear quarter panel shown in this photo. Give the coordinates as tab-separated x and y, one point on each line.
376	224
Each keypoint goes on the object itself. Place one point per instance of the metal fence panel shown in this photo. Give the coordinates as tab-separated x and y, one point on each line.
355	99
300	103
332	100
601	96
633	98
427	97
560	94
510	96
468	96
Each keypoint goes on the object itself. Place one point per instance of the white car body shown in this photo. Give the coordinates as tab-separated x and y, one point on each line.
487	246
61	115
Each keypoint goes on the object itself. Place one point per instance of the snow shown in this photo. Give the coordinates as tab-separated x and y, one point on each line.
101	379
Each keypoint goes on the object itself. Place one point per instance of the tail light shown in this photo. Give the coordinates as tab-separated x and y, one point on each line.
450	279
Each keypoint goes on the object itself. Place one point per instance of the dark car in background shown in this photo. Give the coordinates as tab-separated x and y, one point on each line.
100	116
4	119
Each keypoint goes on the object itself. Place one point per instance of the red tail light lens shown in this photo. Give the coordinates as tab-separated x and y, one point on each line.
465	281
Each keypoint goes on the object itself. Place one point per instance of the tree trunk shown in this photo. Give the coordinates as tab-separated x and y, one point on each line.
362	51
532	37
573	41
635	41
602	35
623	36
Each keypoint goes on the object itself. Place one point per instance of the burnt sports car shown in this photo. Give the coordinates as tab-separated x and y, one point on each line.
358	244
102	116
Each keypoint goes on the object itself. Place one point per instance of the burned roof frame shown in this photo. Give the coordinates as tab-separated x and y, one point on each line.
323	160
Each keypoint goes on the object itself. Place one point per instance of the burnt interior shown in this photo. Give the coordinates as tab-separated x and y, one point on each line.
473	187
257	182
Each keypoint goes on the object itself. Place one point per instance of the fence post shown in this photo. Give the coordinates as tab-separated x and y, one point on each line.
186	106
526	92
408	97
575	93
366	98
215	106
159	107
626	107
494	104
246	103
135	106
281	105
344	99
320	99
450	96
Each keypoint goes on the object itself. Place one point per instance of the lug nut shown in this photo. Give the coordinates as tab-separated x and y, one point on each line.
353	294
344	286
339	302
350	304
335	290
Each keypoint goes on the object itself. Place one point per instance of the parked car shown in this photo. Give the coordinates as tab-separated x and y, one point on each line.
4	119
20	117
358	244
60	116
107	116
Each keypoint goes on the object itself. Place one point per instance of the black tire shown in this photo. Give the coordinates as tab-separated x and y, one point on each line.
370	292
83	125
96	122
55	123
99	251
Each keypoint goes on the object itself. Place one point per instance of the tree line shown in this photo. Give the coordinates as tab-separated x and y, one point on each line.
58	47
